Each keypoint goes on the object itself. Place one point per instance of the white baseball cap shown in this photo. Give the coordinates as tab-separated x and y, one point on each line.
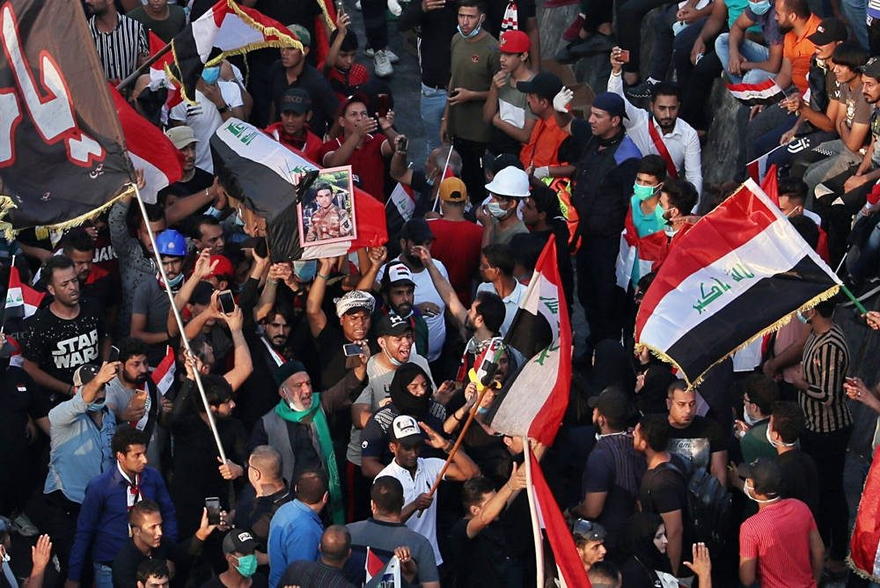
511	182
405	429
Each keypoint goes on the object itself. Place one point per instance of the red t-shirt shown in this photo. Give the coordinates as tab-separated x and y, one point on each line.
310	146
779	537
457	245
367	164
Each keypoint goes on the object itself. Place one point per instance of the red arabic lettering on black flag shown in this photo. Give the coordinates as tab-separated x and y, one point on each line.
61	147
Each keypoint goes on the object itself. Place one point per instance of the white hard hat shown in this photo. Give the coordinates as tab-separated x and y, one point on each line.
511	182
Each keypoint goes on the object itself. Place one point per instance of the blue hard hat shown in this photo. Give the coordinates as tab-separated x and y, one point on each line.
170	242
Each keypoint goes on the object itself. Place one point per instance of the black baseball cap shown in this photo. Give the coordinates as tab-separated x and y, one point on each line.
611	103
393	325
545	84
295	100
239	541
872	68
829	30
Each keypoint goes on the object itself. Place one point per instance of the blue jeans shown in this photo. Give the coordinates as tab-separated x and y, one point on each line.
854	10
751	51
103	576
431	108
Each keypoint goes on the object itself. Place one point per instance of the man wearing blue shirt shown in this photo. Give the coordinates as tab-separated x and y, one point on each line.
296	529
102	526
80	432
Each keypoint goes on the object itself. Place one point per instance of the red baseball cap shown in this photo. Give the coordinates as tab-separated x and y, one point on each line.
514	42
224	267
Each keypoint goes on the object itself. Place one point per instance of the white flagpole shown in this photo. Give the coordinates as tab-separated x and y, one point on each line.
442	176
3	324
179	321
533	511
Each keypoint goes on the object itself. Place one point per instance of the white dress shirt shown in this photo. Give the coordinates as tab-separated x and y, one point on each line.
683	143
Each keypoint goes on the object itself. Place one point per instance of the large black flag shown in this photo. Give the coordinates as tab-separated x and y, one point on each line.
61	146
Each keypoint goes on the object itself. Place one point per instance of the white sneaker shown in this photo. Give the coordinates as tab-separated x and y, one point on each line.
394	7
24	526
382	64
357	4
392	57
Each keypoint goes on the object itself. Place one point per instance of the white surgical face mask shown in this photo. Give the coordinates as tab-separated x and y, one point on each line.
768	433
747	489
750	421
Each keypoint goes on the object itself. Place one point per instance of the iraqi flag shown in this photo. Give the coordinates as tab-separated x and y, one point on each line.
738	273
227	28
157	68
22	301
766	92
382	572
262	174
645	251
533	404
864	545
149	149
163	375
399	207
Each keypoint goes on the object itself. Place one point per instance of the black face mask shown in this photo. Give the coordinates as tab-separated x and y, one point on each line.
402	399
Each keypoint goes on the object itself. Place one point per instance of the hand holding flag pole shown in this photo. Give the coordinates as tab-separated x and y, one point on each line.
211	423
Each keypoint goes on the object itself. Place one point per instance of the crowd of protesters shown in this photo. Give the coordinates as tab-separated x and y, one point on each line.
337	387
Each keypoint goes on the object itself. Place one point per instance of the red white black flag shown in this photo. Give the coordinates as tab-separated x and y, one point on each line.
766	92
534	403
638	255
227	28
150	150
61	147
864	546
739	272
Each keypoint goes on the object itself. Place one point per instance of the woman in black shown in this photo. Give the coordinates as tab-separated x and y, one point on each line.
647	565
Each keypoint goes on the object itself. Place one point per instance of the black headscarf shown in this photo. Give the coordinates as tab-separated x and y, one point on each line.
639	541
405	402
612	367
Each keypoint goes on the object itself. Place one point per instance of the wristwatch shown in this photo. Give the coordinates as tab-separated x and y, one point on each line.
222	109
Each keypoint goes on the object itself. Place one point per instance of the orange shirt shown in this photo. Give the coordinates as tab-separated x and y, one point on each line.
543	145
799	50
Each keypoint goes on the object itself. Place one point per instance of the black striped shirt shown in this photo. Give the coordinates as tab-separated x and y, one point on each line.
824	365
119	49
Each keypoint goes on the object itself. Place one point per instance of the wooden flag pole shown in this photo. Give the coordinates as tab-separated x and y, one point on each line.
143	67
211	423
533	511
464	429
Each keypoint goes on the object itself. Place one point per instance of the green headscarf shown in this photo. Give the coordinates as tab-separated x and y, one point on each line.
315	415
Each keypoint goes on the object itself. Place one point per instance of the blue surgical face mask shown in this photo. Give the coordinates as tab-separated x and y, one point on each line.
473	33
658	214
176	281
644	192
305	271
247	565
759	8
802	318
211	74
95	406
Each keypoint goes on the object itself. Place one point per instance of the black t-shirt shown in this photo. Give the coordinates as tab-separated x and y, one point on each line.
200	182
324	101
663	489
314	573
800	479
697	441
482	561
126	562
614	467
60	346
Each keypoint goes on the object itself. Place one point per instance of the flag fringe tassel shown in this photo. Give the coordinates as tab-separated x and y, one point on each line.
830	293
9	232
860	572
293	42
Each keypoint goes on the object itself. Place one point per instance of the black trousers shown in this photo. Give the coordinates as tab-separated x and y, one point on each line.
629	28
828	450
374	23
602	299
472	173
